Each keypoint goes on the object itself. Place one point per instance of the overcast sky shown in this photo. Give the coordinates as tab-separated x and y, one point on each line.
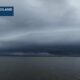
40	22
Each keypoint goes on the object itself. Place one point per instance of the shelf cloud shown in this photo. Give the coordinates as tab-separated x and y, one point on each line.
40	22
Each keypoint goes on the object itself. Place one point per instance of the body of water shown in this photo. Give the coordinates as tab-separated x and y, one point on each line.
39	68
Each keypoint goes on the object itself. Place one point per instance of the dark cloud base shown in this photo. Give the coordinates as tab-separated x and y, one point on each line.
58	50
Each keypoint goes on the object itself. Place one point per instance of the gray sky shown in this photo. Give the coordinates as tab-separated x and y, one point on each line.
40	22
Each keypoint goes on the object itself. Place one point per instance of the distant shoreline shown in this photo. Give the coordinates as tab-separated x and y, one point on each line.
35	56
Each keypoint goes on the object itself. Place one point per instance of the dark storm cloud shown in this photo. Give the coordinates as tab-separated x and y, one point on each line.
40	22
